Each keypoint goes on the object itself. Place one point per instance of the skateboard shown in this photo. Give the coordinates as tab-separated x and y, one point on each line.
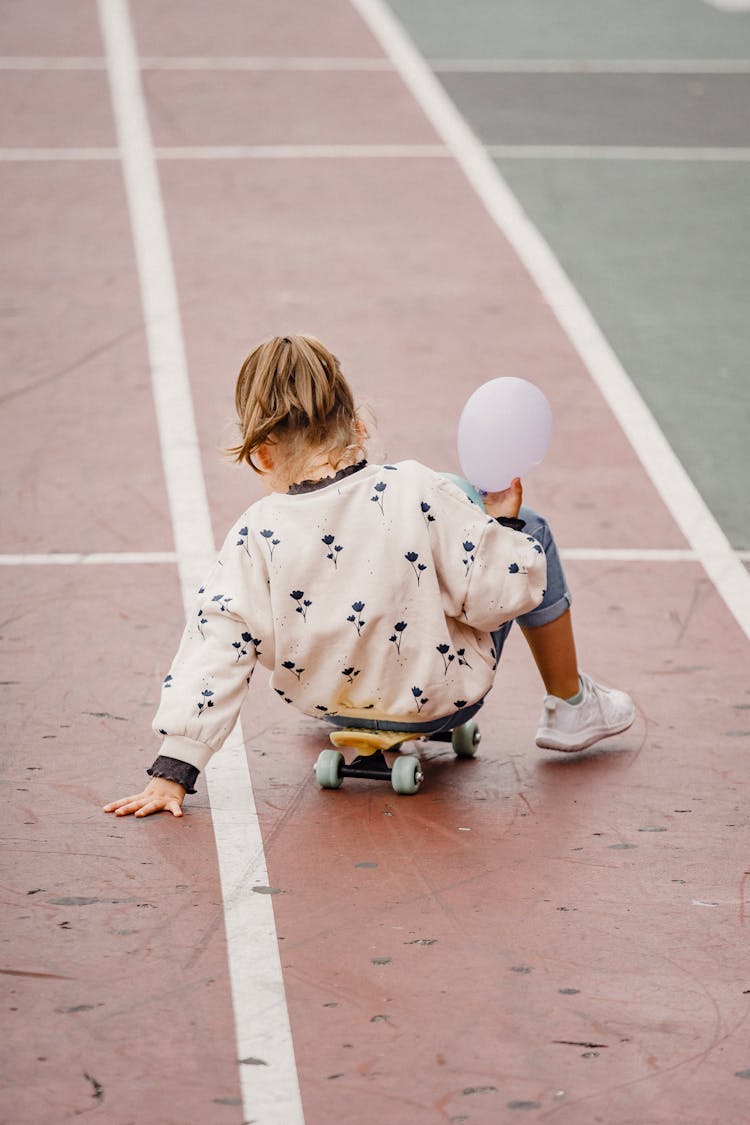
405	775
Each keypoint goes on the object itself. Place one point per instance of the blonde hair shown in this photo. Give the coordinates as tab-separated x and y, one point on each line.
291	388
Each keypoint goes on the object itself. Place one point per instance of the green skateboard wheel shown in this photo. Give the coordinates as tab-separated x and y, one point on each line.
328	769
466	739
406	775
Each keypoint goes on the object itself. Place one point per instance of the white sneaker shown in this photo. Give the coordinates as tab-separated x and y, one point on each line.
574	726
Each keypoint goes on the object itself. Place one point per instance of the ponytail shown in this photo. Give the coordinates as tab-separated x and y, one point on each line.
292	387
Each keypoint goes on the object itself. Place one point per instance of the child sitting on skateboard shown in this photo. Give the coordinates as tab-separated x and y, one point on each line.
377	596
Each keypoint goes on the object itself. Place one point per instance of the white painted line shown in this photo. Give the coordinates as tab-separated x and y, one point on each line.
386	152
270	1093
619	152
191	62
301	152
34	155
105	558
679	493
640	554
441	66
627	554
41	62
236	152
270	63
590	66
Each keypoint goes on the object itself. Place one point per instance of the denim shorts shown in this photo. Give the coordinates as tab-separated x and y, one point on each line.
556	598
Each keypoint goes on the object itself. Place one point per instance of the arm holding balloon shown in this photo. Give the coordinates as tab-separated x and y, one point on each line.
505	504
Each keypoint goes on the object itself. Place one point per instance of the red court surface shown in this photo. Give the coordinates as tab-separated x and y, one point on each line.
533	937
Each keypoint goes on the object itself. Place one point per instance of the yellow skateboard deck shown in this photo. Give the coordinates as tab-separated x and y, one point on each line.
370	741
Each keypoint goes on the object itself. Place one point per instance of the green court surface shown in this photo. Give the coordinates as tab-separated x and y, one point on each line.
576	29
624	132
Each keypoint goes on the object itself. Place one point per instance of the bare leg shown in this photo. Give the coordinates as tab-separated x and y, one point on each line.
554	651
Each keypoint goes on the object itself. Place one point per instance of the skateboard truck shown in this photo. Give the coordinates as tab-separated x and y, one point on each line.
371	766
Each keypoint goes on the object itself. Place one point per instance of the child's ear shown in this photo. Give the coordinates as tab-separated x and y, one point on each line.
264	457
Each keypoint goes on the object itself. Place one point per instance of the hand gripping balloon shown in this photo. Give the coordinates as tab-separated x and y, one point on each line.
504	431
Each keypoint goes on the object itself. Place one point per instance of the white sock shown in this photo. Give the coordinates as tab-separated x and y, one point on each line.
578	697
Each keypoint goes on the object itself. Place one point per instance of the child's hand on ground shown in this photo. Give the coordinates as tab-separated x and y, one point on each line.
158	795
506	503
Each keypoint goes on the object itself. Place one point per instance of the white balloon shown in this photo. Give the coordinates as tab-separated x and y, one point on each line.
504	430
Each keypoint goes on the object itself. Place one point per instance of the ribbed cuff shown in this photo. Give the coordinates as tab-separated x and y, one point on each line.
509	521
172	769
185	749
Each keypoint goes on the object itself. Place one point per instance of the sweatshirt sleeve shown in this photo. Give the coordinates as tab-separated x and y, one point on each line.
202	694
489	573
507	577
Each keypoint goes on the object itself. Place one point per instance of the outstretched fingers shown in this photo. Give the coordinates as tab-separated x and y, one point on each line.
144	804
125	804
168	804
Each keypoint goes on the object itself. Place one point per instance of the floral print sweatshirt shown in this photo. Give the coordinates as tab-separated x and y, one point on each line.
371	597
